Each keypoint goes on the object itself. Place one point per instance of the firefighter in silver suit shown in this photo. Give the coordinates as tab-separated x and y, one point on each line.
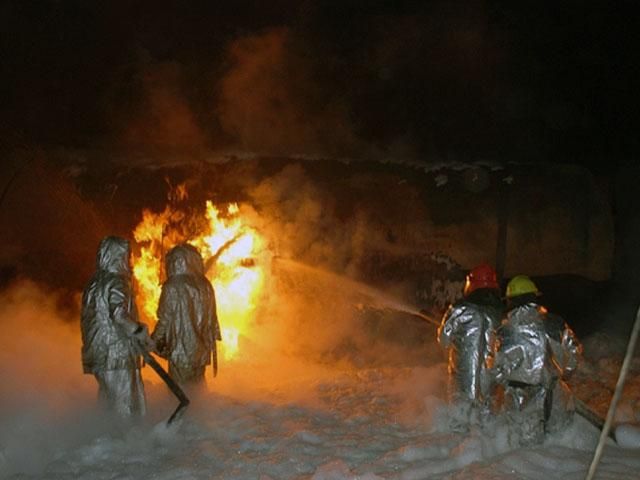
112	336
187	328
467	331
536	352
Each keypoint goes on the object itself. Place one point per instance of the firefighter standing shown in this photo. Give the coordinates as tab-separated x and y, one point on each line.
468	332
536	351
112	336
187	328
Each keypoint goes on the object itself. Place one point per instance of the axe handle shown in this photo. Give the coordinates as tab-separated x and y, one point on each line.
173	386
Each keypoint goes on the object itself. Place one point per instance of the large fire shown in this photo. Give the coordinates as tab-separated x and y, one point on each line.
230	248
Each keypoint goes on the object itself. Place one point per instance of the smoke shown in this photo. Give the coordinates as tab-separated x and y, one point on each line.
41	352
314	79
269	102
301	217
421	78
319	306
164	118
318	311
309	327
304	317
50	231
262	98
42	382
307	322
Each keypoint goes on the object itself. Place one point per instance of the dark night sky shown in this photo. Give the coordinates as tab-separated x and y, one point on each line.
545	80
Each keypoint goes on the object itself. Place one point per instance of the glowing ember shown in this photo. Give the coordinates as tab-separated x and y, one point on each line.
229	248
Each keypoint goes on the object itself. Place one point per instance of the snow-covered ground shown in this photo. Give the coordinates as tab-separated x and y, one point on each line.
273	417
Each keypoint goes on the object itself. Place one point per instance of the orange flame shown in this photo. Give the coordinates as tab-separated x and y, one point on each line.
230	249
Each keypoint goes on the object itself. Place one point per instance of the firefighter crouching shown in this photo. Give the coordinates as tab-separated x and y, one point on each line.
468	331
536	351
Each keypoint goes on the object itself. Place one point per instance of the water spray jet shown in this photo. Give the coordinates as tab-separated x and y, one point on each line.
377	299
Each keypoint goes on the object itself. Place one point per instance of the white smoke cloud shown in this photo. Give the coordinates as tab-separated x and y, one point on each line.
318	305
42	382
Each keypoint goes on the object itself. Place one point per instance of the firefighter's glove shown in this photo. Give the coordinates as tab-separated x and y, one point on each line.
143	340
160	347
499	374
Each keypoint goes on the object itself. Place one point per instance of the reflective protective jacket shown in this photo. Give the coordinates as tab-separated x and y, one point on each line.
109	316
468	331
187	321
536	348
564	344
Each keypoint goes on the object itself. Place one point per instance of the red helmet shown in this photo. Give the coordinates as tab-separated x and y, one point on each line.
482	276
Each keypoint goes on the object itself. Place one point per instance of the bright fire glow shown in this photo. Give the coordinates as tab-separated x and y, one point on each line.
230	249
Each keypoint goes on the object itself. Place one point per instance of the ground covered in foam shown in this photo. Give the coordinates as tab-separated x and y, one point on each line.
331	425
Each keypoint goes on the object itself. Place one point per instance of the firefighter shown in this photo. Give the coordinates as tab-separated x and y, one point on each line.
536	352
112	336
467	331
187	328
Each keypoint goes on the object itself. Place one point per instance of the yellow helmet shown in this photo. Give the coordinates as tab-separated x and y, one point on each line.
519	285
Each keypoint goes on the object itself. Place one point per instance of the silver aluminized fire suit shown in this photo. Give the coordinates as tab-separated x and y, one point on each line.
111	333
468	332
187	327
536	351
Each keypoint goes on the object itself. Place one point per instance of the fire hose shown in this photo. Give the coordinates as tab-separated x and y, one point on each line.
592	417
423	315
173	386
